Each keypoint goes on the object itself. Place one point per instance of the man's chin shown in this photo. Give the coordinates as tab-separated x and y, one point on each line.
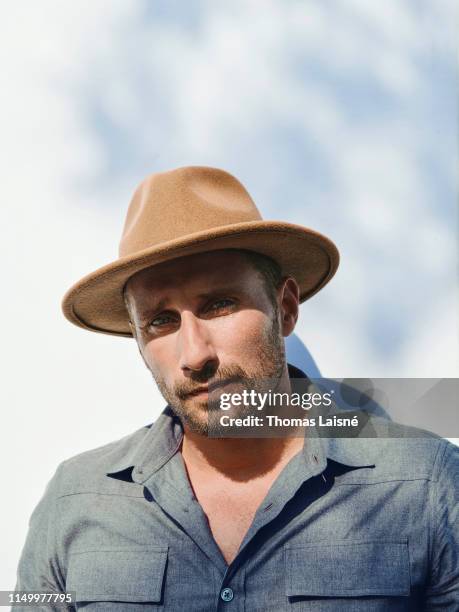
196	425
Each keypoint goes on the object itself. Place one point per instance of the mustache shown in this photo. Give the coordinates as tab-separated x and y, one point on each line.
212	378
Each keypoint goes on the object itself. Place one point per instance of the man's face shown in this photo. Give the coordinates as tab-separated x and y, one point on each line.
205	322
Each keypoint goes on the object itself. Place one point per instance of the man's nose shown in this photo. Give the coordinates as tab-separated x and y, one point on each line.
195	346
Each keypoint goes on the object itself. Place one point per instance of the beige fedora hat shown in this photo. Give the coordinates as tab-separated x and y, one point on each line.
186	211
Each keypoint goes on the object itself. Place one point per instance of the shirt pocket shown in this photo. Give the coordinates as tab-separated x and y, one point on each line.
347	569
119	576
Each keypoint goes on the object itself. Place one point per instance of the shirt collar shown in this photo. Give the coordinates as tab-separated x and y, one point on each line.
163	438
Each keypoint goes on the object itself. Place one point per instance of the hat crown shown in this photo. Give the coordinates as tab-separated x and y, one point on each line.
170	205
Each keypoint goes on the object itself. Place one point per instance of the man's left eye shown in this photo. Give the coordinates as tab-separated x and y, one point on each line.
221	304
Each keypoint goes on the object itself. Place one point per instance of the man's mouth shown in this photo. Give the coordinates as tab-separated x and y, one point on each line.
198	391
211	387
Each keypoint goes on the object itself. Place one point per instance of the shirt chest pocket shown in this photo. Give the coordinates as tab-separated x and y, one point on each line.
119	578
369	570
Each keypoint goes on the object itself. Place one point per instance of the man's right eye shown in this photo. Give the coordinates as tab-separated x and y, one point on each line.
161	320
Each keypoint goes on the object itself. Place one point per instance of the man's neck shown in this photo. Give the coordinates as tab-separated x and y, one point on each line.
238	458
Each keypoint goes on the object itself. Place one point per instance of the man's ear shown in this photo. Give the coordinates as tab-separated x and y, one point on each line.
289	305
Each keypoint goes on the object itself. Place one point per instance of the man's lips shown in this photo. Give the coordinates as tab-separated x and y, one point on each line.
198	391
208	388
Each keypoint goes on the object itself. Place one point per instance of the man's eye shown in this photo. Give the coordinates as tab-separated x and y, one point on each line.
161	320
221	305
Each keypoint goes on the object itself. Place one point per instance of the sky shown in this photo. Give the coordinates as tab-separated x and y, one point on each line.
340	116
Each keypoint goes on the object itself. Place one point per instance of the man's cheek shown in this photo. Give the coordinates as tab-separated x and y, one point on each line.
243	330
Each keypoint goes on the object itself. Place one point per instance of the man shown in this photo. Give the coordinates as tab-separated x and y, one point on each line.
174	517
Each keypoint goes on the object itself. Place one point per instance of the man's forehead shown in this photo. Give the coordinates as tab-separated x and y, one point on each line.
211	268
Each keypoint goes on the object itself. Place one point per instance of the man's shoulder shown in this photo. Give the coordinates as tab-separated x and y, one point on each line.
401	452
87	471
410	452
110	452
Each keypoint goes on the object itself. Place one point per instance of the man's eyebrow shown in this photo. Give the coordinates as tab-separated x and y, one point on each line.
151	309
148	311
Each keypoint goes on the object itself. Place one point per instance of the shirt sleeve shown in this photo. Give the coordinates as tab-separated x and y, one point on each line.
39	565
442	592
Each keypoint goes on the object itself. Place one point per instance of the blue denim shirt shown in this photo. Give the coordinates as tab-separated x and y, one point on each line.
350	524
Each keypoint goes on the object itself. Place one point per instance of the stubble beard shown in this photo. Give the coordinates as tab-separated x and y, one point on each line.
268	371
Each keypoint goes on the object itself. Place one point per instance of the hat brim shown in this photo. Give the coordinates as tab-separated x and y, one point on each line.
96	301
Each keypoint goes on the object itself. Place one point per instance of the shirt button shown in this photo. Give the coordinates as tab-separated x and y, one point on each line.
227	594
